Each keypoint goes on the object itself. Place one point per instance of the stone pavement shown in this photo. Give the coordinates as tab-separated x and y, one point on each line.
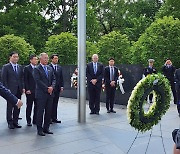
103	134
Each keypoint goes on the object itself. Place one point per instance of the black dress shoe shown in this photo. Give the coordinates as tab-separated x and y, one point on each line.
56	121
41	134
113	111
108	111
29	124
17	126
91	112
19	118
47	132
11	126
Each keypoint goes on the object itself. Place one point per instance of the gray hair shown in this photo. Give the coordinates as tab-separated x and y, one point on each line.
94	55
42	54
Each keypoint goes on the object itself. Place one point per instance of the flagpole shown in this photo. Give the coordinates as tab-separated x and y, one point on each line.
82	61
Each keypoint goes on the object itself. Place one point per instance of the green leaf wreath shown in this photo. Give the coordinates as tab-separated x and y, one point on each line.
138	118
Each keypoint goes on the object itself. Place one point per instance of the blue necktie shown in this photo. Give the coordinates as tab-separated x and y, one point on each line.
46	71
95	68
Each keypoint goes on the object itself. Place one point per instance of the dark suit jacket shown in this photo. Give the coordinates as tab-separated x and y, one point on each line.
59	77
29	82
169	72
42	81
107	75
11	80
6	94
177	77
90	74
148	70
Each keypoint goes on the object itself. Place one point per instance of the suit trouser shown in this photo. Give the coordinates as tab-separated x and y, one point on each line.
173	91
94	98
178	98
12	112
30	99
110	94
55	105
44	110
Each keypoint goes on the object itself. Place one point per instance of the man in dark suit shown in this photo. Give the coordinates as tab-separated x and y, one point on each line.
168	70
177	80
45	84
30	90
6	94
150	70
110	80
94	73
58	88
12	78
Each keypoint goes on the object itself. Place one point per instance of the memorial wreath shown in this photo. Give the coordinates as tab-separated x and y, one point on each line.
138	118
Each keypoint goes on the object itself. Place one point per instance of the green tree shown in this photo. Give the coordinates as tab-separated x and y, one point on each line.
27	22
92	25
160	41
170	8
114	45
9	43
65	45
131	17
91	48
60	12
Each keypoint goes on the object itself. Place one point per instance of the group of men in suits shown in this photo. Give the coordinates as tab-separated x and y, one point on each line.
95	73
42	85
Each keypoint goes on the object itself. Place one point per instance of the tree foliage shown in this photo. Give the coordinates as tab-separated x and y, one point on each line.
65	45
114	45
9	43
160	41
91	48
37	20
25	21
170	8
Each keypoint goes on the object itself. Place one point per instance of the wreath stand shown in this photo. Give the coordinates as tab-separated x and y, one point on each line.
150	136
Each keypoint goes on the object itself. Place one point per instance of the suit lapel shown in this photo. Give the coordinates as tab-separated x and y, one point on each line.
97	67
30	68
49	71
18	70
92	68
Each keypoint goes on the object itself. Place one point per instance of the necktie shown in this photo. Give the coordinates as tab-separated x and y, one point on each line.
55	68
46	71
15	69
112	74
95	68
